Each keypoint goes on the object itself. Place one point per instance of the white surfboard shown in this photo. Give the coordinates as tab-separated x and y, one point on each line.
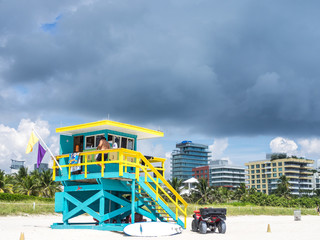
152	229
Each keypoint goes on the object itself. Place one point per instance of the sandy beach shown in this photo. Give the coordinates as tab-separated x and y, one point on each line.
240	227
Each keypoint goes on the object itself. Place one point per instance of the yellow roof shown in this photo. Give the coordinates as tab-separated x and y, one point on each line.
140	132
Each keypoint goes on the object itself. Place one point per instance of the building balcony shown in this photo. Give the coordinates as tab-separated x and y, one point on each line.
292	165
228	181
231	177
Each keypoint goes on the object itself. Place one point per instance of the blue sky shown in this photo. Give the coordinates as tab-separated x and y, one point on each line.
240	76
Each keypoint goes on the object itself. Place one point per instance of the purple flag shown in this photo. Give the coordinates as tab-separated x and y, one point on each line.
41	153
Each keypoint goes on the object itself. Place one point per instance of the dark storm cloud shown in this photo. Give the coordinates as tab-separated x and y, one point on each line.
231	68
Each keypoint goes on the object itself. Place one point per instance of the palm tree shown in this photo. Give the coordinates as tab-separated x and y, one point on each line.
47	187
240	191
176	184
27	185
5	185
22	173
203	189
283	188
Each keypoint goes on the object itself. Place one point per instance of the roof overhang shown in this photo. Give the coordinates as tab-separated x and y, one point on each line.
140	132
191	180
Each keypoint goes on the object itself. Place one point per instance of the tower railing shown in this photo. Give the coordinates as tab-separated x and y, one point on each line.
132	162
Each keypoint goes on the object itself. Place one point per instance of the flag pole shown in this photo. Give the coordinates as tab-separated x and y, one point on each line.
47	149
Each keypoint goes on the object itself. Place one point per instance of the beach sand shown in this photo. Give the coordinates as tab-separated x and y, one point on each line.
240	227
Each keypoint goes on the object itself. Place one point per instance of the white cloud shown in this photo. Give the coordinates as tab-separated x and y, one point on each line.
283	145
13	143
147	148
310	147
167	165
218	147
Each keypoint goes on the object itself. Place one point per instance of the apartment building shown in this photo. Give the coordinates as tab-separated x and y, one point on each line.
188	156
316	178
201	172
226	175
264	175
221	174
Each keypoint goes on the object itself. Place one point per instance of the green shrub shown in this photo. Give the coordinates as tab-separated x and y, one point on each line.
8	197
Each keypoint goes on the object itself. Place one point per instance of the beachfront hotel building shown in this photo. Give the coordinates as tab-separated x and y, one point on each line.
316	178
201	172
264	175
187	156
223	174
220	173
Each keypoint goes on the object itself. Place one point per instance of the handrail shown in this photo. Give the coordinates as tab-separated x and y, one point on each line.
124	163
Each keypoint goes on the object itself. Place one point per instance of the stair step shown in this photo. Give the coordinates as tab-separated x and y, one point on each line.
160	210
166	215
143	194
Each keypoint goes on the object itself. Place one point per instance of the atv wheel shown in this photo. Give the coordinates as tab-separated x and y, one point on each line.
203	227
194	226
222	227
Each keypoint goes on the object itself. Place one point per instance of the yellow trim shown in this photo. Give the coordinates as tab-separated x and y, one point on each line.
147	168
107	123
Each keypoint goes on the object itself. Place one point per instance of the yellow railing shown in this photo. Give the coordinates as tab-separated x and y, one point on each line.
129	158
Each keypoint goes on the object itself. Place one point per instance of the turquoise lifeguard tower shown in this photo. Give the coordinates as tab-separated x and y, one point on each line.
117	189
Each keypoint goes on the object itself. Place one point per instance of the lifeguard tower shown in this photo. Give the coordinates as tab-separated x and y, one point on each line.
114	191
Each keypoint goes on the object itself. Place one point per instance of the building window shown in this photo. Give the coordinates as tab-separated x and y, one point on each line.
258	186
93	141
263	170
263	186
263	175
258	165
274	169
274	175
280	174
252	171
257	171
121	142
274	164
263	165
280	169
252	176
280	164
268	175
252	181
252	166
258	176
258	181
263	181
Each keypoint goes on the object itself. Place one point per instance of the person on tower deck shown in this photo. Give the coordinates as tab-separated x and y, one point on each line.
103	145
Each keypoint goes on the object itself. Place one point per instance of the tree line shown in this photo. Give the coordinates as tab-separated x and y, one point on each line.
202	193
34	183
40	184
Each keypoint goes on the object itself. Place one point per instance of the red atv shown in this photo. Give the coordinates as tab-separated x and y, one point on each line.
209	218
